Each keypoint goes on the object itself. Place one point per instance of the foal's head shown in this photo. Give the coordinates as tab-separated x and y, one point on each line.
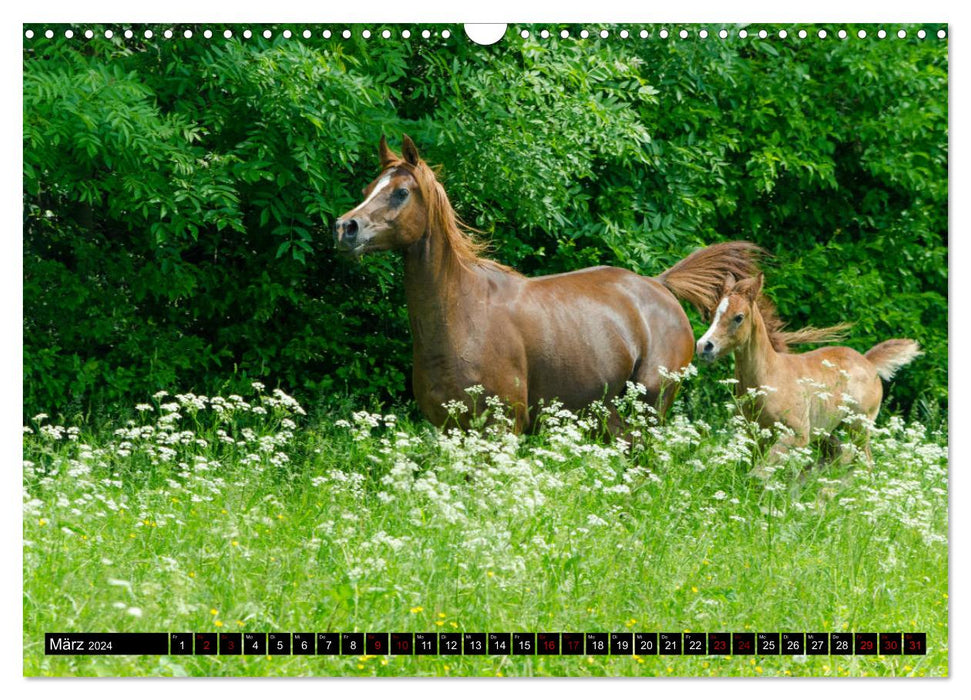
393	214
732	324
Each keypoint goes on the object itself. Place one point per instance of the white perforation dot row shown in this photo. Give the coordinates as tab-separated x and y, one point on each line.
724	34
246	34
525	34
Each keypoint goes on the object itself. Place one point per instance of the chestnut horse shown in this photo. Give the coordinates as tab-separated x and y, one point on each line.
807	390
577	337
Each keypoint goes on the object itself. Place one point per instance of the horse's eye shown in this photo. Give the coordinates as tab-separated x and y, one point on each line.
739	317
400	194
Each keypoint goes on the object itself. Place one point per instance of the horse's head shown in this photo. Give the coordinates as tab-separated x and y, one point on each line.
393	214
732	322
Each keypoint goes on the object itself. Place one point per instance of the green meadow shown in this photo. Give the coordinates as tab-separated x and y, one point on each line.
245	514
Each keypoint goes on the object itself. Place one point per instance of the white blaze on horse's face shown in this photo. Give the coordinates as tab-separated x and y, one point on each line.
381	184
708	346
389	217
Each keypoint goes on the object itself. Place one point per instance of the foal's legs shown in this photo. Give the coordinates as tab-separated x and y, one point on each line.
778	452
859	434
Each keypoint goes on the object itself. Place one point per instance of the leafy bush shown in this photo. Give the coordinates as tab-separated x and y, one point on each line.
178	194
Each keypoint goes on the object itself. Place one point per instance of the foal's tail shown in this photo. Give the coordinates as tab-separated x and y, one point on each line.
699	279
891	355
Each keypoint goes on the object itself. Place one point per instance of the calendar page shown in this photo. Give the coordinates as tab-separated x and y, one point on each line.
534	349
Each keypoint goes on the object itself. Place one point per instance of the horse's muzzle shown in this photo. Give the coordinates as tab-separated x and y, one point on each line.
706	351
346	236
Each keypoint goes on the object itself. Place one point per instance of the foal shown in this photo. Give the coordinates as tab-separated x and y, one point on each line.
809	390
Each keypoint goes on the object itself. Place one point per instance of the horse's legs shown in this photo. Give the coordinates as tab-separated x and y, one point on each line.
830	448
660	391
511	386
778	452
616	426
859	433
521	417
664	401
866	447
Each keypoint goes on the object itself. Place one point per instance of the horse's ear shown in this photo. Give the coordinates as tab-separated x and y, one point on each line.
409	150
757	287
386	155
751	287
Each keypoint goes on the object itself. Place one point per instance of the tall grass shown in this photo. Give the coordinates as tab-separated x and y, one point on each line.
241	514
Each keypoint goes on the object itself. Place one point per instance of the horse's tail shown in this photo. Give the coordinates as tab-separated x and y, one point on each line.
891	355
809	334
700	278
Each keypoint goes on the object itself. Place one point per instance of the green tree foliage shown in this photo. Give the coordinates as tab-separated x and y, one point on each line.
178	194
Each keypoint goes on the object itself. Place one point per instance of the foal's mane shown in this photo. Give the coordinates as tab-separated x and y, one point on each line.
460	238
782	340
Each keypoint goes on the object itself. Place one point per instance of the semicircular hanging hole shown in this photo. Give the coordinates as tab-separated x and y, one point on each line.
485	34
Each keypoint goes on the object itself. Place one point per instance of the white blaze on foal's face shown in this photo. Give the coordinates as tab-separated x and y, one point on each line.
707	349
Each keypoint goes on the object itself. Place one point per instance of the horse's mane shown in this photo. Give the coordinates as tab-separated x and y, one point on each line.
466	248
782	340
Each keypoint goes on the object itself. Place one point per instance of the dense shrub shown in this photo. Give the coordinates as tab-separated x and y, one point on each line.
178	194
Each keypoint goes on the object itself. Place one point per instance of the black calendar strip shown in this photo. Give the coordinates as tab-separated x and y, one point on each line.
487	644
